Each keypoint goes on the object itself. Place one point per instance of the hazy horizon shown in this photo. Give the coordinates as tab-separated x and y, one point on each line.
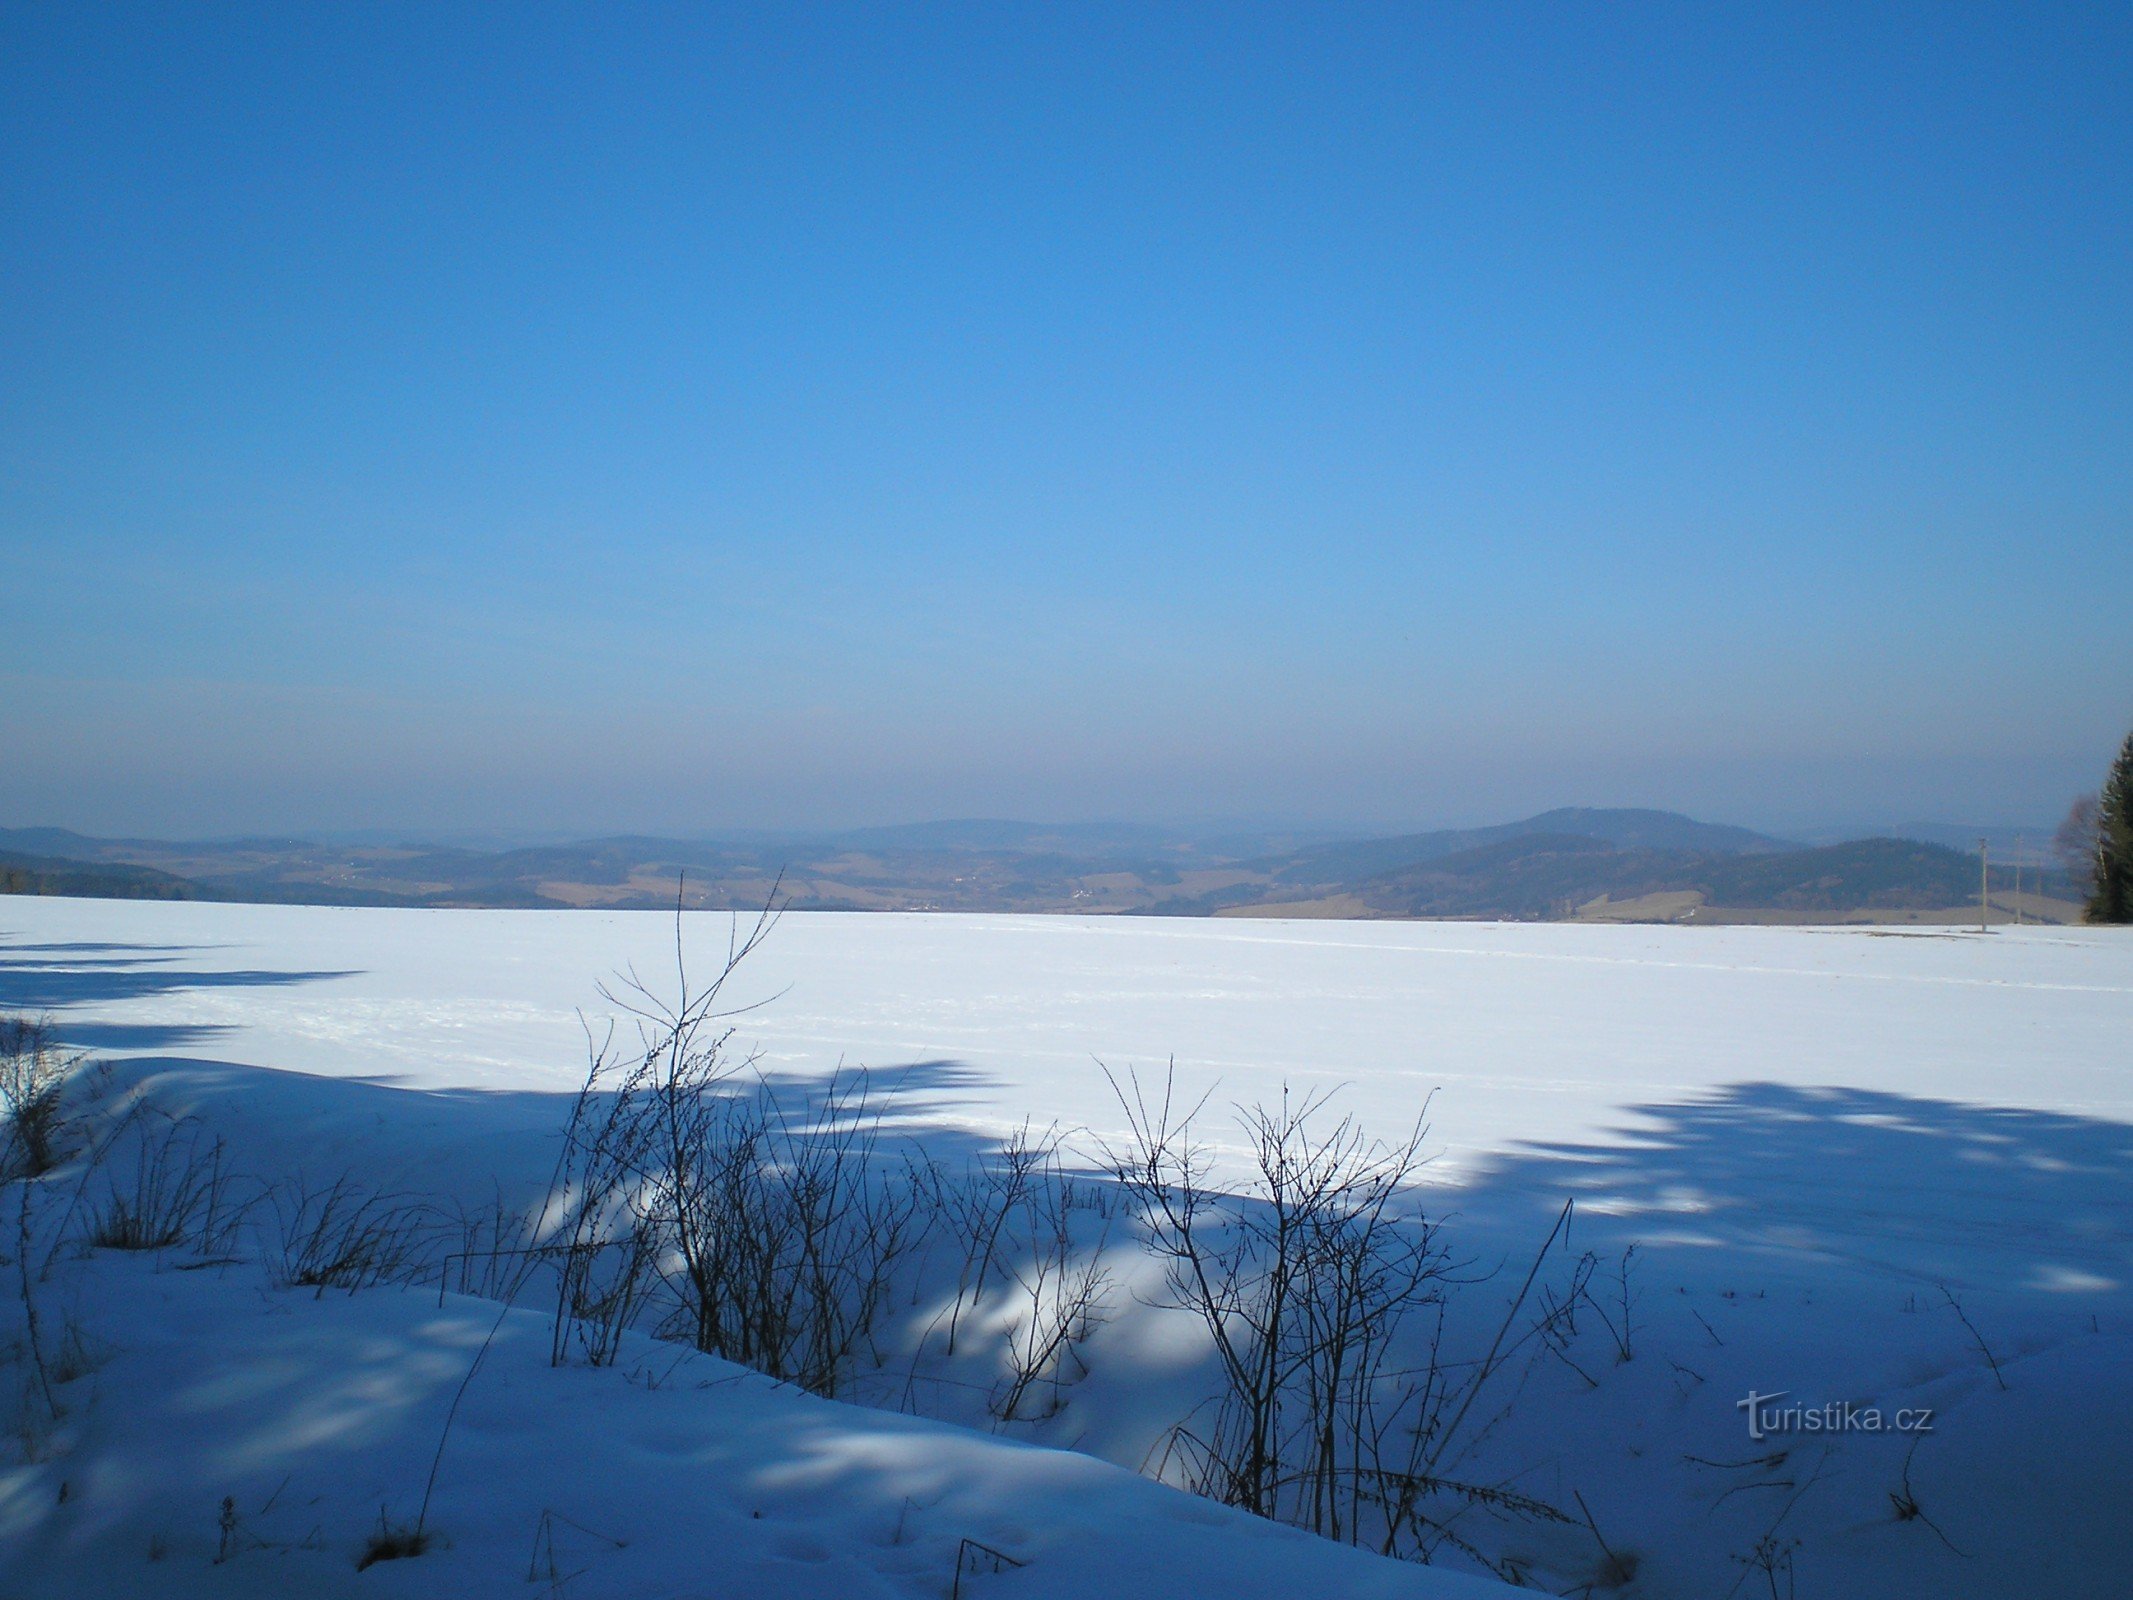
437	420
2037	829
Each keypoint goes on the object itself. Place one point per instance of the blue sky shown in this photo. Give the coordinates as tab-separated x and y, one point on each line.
684	417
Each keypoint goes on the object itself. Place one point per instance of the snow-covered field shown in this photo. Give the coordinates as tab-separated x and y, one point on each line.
1821	1142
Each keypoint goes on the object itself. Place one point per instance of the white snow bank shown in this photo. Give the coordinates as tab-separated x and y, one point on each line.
671	1474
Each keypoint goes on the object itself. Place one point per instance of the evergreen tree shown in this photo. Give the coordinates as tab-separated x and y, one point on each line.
2113	899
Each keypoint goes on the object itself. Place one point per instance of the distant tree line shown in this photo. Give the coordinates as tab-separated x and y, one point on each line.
38	875
2096	843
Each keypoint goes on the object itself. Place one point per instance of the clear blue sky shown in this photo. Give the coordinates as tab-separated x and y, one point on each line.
694	416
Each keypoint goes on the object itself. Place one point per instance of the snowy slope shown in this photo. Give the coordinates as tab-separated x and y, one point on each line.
669	1475
1821	1141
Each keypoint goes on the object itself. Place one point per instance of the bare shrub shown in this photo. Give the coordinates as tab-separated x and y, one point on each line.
35	1072
1064	1296
1301	1283
774	1222
1307	1283
2078	844
1436	1417
633	1143
492	1251
605	1253
1015	1216
785	1228
607	1288
391	1541
344	1237
176	1193
80	1352
983	1209
34	1069
590	1214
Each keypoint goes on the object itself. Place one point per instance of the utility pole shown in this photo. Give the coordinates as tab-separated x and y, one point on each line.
1984	885
2021	850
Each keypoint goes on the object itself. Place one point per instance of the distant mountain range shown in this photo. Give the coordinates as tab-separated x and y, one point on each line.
1586	877
1625	830
1575	863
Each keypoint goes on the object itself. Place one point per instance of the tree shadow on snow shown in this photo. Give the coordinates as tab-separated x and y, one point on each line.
474	1145
1933	1189
53	977
136	1035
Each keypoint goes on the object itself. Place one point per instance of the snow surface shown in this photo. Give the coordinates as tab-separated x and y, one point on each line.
1814	1136
699	1477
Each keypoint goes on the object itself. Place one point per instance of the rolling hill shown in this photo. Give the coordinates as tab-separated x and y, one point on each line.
1573	862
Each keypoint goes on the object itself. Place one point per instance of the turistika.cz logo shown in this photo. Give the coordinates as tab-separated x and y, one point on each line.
1766	1416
